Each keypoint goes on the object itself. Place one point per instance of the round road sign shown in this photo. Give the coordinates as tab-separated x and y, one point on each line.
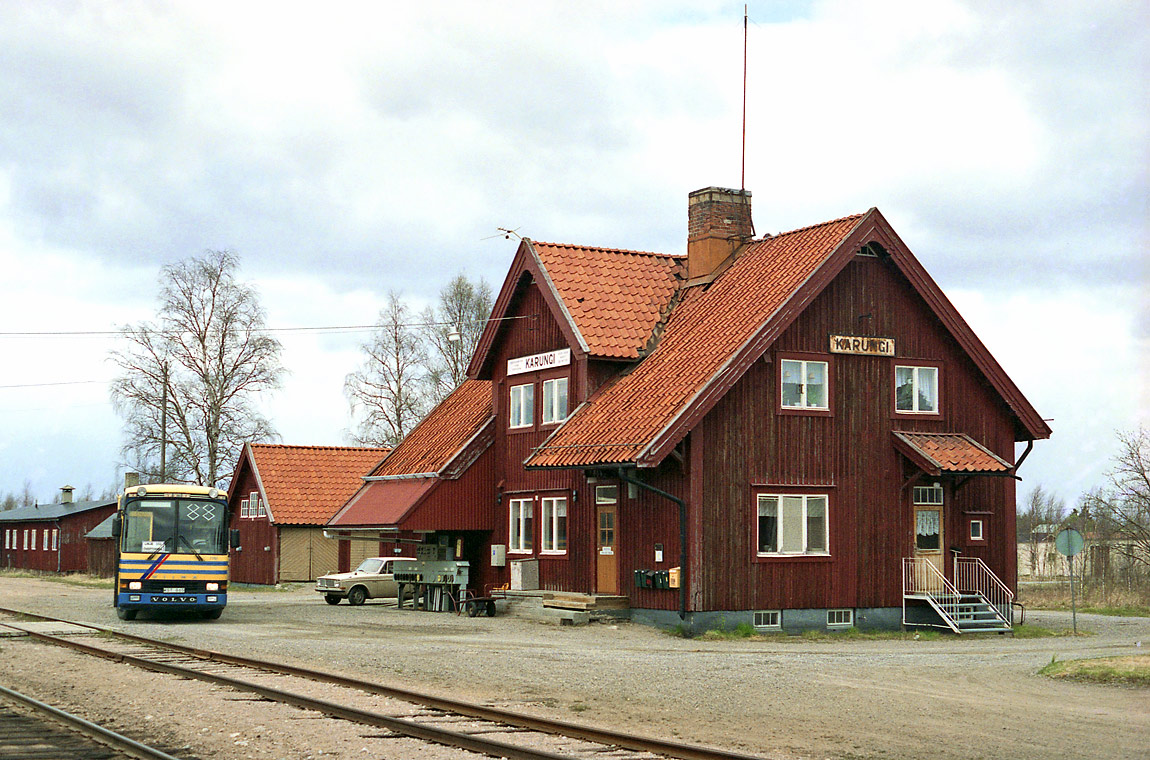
1069	542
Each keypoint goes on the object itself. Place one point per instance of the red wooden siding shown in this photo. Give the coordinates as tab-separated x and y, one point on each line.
746	445
71	554
257	560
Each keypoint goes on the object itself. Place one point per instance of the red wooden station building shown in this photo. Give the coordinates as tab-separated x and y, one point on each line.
51	537
796	431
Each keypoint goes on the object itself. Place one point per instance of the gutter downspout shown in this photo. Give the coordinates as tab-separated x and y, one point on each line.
1025	454
682	536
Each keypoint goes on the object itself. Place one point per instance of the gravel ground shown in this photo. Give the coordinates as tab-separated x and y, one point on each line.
790	698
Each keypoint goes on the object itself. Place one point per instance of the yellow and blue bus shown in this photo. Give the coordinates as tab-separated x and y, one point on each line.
173	550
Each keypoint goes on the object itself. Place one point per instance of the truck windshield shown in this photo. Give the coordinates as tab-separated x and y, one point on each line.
181	526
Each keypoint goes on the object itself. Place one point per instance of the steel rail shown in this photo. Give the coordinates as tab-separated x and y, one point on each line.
90	730
495	715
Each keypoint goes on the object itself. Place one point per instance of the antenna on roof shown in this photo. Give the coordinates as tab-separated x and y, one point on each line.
743	168
506	233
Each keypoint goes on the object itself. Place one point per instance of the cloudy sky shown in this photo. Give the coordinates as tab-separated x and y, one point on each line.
347	149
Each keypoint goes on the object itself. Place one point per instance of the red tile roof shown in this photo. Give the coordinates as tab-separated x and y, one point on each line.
383	503
936	453
306	485
708	327
443	433
615	298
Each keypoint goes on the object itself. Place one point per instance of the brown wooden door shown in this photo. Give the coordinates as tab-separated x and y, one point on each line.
606	563
928	535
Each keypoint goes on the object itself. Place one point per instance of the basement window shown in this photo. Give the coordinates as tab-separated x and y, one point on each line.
840	618
768	619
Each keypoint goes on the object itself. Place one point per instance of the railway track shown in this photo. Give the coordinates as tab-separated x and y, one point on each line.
31	729
452	723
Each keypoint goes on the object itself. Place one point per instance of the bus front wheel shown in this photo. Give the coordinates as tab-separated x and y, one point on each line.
124	614
212	614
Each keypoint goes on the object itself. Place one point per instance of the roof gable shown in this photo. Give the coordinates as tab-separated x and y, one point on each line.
306	485
606	301
717	332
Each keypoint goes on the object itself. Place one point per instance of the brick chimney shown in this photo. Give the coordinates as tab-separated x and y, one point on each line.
718	223
66	494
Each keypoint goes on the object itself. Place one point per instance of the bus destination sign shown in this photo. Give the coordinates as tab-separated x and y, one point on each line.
850	344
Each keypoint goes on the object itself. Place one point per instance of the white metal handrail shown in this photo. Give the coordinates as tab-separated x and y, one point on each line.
972	575
921	578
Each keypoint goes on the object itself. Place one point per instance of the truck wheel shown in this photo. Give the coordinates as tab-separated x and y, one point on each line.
124	614
331	598
357	596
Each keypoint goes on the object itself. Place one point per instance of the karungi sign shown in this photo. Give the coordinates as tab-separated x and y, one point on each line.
560	358
852	344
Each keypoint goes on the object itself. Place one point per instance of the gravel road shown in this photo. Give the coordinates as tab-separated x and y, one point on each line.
779	698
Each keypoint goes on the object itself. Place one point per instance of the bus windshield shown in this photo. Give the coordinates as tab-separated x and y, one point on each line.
181	526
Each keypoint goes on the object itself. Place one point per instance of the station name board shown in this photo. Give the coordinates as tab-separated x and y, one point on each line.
560	358
850	344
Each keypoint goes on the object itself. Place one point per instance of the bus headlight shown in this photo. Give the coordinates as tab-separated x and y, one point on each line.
211	587
135	585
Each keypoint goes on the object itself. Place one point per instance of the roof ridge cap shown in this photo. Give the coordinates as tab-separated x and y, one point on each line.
848	217
609	249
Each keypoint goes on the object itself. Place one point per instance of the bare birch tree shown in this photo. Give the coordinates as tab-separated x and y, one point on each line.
209	357
1037	517
388	391
1123	507
463	309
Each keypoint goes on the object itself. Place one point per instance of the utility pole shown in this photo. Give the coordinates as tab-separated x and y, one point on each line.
164	426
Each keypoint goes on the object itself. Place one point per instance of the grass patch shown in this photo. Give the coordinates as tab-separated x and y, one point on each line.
259	588
83	581
1133	670
1038	632
1091	598
578	707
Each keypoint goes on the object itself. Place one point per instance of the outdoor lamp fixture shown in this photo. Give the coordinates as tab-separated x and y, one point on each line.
454	335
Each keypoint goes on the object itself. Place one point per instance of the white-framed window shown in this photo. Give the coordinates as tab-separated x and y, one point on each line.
804	384
769	619
554	514
253	503
976	533
44	542
916	390
840	618
793	524
25	539
929	495
55	539
262	509
554	400
522	405
243	507
519	539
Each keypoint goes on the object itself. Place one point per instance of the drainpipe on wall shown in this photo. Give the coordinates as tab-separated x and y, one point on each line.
682	536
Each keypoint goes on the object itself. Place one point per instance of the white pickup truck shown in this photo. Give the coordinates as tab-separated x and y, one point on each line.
373	579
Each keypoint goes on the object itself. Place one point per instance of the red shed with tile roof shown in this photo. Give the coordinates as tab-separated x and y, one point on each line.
280	498
788	420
